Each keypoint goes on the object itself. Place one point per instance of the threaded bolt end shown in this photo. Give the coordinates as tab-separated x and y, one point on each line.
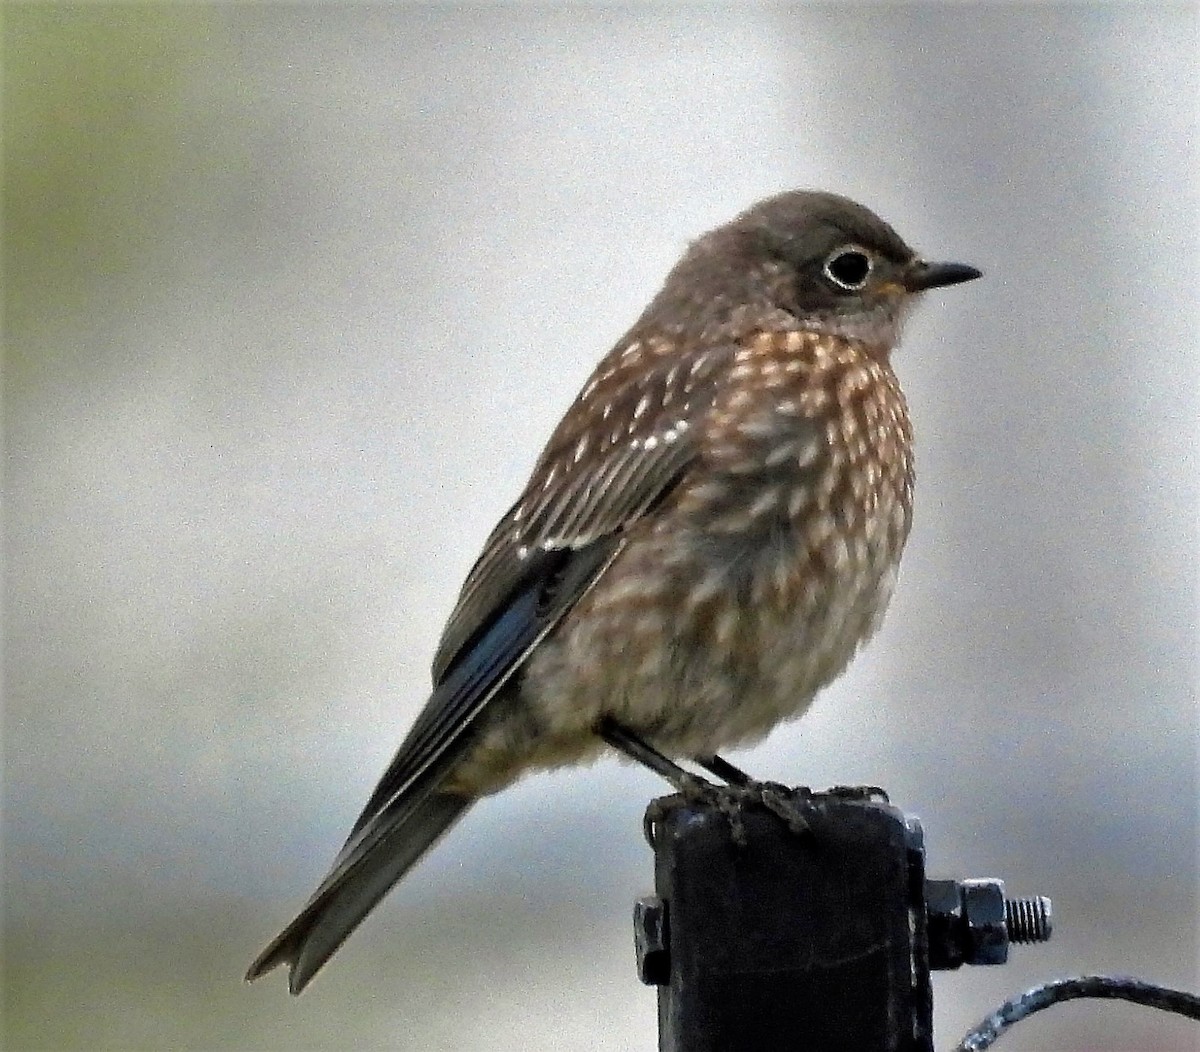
1028	920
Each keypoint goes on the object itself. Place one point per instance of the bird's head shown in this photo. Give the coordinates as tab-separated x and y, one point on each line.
821	259
838	267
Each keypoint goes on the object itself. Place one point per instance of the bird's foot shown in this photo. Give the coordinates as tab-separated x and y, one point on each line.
730	801
858	792
727	800
785	803
793	806
779	799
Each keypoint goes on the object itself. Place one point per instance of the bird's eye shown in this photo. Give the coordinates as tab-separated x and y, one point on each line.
849	268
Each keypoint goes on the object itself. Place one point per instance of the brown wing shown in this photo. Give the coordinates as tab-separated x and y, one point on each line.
621	447
626	439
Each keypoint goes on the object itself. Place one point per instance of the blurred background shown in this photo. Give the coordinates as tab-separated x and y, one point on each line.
294	294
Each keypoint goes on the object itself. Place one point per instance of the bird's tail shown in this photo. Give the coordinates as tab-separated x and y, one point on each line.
369	864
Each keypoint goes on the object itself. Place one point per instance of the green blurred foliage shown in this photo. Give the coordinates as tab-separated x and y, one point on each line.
96	134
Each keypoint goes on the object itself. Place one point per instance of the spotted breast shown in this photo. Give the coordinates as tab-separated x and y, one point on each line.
754	583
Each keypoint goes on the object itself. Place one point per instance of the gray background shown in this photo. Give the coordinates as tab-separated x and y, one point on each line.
293	296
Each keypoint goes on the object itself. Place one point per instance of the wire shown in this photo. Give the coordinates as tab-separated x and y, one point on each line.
1116	987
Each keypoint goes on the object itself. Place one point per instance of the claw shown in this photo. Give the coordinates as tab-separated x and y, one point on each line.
778	799
726	799
730	801
858	792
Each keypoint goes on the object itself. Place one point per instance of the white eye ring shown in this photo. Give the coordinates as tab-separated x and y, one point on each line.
849	268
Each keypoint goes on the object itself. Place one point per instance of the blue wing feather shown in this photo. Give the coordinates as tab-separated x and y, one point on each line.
545	554
407	813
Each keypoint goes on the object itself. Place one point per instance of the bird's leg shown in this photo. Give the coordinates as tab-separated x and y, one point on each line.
724	770
783	802
635	748
726	799
776	798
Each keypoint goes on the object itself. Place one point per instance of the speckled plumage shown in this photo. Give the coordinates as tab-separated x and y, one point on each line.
712	531
756	579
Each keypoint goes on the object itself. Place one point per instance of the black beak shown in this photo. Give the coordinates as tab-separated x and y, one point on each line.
921	275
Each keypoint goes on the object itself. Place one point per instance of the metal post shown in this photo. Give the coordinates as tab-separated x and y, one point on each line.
817	940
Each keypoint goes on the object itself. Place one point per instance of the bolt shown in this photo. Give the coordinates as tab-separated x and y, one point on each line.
650	941
971	922
1028	920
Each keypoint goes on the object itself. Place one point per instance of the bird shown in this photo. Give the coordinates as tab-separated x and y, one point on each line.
712	531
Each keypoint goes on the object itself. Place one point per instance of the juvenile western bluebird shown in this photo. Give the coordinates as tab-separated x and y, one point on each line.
712	531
